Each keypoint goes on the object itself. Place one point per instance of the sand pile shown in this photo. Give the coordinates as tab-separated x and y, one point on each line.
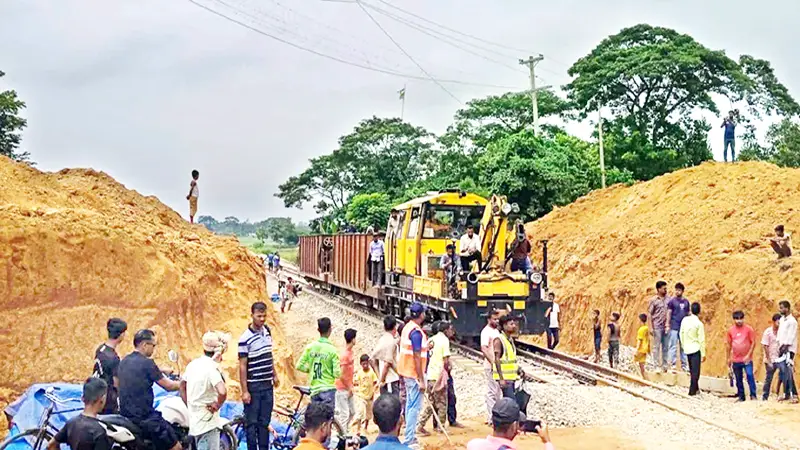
706	226
76	248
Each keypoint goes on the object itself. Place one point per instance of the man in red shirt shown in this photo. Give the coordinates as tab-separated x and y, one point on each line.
741	341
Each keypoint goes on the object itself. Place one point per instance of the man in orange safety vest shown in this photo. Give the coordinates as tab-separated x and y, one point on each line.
411	366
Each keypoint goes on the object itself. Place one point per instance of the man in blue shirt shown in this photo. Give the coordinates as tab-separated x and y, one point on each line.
376	259
730	137
386	413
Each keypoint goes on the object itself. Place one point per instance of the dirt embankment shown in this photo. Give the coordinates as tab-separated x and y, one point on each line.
77	247
705	226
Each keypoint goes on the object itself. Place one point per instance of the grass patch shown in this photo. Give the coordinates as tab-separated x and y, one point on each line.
288	253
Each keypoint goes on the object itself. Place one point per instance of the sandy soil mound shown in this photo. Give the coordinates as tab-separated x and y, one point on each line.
706	226
76	248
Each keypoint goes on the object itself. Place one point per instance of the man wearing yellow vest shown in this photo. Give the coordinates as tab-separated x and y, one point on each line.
411	367
506	370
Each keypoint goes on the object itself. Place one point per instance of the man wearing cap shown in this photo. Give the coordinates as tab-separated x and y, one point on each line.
506	369
203	391
506	420
413	359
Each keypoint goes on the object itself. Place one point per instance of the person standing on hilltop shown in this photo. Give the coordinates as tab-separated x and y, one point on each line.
730	137
781	243
693	337
194	193
658	325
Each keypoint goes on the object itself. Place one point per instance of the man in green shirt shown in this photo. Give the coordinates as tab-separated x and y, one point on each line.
320	361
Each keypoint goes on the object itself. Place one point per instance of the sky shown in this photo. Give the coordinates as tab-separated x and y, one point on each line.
148	90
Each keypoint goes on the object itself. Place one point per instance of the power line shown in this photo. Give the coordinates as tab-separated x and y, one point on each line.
341	60
400	47
442	37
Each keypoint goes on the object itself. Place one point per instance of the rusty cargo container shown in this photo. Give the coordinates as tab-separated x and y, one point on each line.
337	259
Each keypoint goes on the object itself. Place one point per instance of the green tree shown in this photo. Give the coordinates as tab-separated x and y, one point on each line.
367	210
539	172
280	229
11	125
653	79
380	155
782	147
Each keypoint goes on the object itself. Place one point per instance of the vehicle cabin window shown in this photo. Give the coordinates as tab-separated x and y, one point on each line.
397	232
450	222
413	226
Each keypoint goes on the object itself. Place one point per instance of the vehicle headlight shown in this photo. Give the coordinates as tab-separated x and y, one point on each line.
536	278
506	209
515	208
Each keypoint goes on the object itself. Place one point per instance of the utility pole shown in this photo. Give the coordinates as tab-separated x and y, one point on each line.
531	63
602	154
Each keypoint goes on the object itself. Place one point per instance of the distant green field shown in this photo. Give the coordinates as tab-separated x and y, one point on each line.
288	253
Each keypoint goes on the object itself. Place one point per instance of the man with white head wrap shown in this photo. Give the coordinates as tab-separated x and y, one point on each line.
203	391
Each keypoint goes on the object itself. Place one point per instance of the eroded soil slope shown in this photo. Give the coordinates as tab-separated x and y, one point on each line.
76	248
706	226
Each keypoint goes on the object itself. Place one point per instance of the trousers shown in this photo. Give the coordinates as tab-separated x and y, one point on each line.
747	369
787	377
675	348
413	408
345	408
492	392
770	373
660	348
729	142
452	415
257	414
694	372
208	440
437	404
552	338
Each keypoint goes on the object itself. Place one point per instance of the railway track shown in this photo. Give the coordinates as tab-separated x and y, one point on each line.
544	366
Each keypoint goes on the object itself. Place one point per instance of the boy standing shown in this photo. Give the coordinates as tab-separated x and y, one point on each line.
365	383
643	344
613	340
194	193
85	432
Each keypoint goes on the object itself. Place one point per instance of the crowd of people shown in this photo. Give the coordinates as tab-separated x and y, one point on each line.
673	335
409	370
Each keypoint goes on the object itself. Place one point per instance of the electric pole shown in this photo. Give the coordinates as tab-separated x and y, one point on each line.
531	63
602	155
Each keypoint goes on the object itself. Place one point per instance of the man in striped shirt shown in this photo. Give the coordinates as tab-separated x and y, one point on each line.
257	378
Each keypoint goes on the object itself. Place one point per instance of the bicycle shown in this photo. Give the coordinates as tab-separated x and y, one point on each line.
42	434
295	429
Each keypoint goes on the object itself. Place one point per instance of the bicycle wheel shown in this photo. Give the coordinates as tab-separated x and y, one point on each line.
33	439
301	432
227	439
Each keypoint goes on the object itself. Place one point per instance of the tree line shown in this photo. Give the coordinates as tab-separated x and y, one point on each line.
277	229
652	85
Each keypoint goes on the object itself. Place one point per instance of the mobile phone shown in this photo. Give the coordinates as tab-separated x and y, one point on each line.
530	426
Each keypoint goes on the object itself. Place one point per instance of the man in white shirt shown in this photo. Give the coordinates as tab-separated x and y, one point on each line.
552	313
203	391
384	358
376	259
470	248
489	333
787	340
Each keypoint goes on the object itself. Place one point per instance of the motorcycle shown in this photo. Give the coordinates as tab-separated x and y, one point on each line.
126	435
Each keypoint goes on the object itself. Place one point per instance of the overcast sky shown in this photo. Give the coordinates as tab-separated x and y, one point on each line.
147	90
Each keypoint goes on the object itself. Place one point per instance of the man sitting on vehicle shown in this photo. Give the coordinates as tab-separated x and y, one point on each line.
137	373
470	248
84	431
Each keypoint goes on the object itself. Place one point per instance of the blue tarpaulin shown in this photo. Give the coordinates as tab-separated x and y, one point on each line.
26	412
